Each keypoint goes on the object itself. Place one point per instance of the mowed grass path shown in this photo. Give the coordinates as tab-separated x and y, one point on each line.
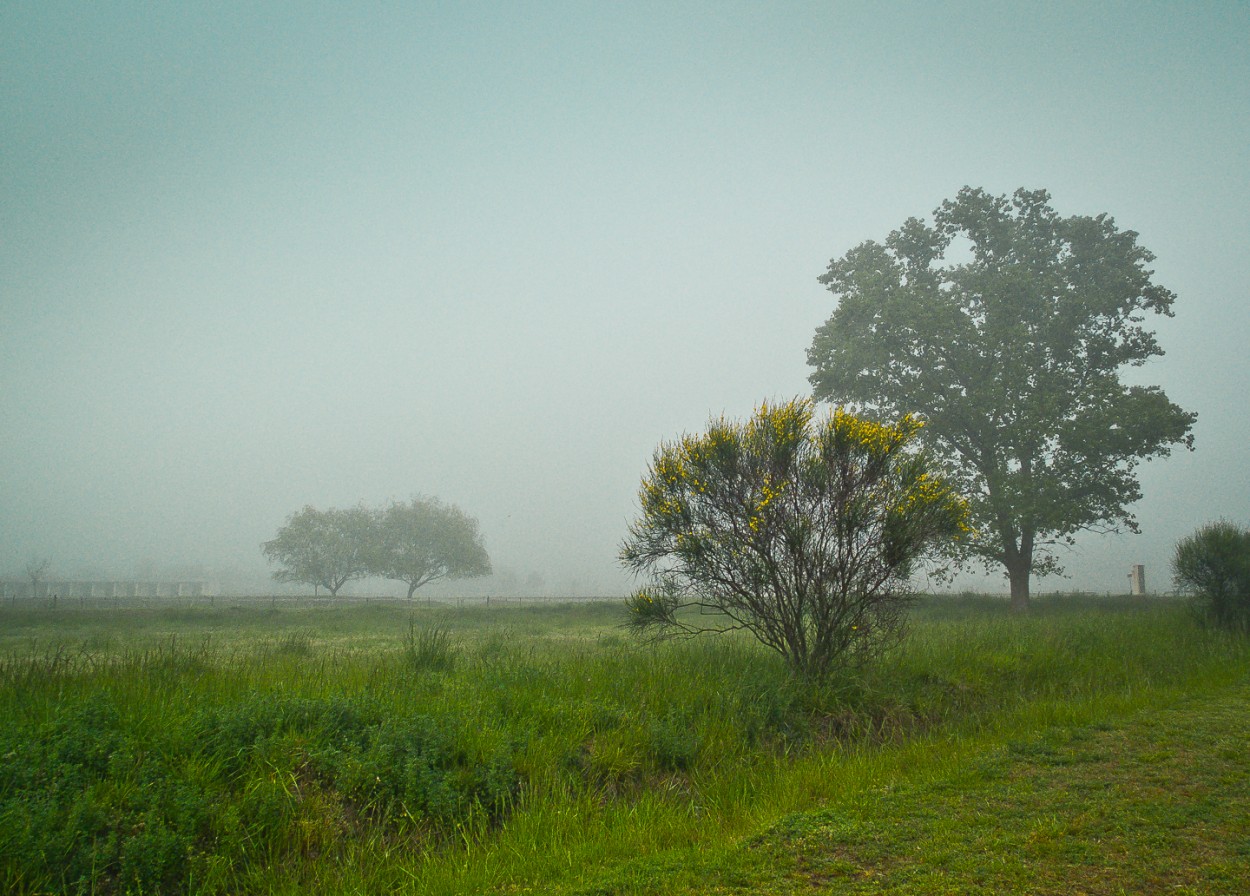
1157	802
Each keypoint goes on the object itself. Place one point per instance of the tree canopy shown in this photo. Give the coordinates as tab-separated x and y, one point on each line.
322	548
1006	328
425	540
803	531
414	543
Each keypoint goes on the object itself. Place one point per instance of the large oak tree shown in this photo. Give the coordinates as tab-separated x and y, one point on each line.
1007	328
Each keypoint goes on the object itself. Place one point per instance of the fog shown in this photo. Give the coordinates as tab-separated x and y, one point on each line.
257	258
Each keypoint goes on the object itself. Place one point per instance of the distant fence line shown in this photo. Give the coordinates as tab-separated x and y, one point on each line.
177	594
123	598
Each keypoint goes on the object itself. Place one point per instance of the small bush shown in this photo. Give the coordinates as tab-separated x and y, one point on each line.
802	531
1213	565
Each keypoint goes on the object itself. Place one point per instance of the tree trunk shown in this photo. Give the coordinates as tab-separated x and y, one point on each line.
412	588
1018	558
1018	574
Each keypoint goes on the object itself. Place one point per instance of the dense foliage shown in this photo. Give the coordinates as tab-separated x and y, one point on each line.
803	531
1005	327
415	543
1213	565
92	802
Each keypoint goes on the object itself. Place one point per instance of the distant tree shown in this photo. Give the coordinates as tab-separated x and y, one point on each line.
507	582
322	548
1213	565
36	570
425	540
1005	327
802	531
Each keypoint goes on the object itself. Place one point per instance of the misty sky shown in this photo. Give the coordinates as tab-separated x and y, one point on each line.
257	256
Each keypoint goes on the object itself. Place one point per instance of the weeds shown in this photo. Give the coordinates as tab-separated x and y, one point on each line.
429	648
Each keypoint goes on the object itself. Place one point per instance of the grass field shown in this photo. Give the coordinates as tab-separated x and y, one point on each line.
1096	745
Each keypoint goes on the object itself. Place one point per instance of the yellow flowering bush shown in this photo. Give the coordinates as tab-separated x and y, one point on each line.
803	529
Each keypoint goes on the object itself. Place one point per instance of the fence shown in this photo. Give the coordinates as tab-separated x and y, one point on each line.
54	600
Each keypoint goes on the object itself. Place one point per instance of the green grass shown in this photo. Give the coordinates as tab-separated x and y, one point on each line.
1156	802
396	748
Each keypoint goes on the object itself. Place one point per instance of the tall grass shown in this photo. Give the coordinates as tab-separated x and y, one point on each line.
378	749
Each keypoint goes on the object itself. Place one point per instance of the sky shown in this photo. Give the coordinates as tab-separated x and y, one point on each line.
260	256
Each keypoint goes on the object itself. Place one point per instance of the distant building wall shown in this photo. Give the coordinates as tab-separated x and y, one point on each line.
16	589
